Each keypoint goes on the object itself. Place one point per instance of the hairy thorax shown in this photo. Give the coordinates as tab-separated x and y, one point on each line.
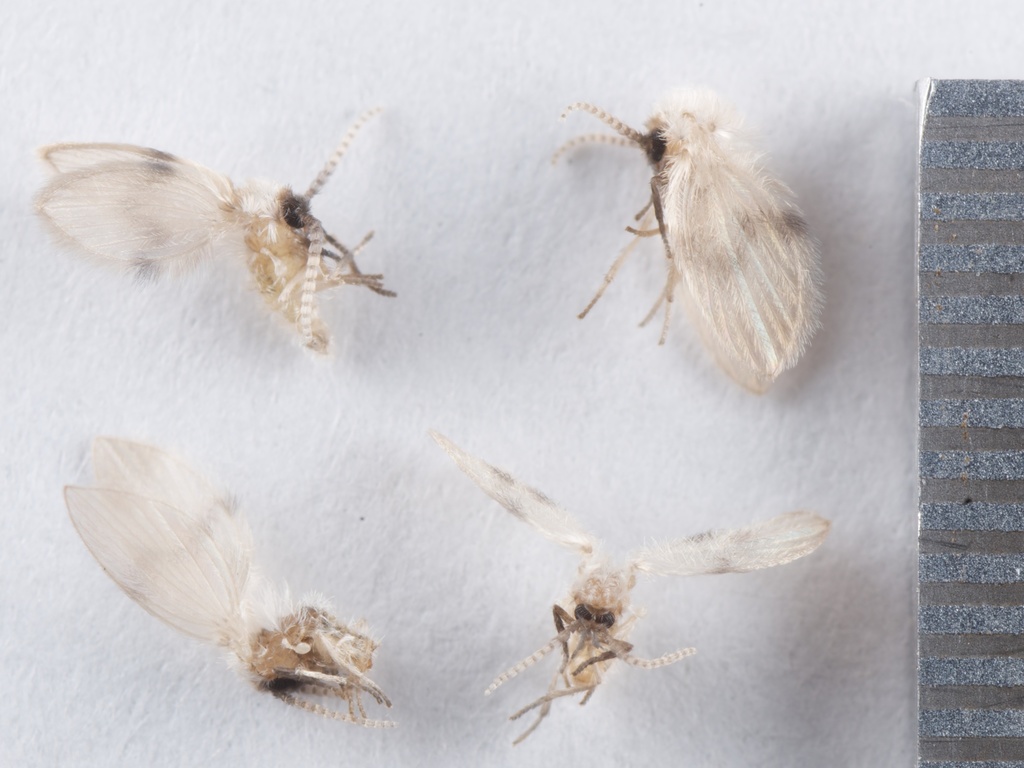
310	640
277	258
603	588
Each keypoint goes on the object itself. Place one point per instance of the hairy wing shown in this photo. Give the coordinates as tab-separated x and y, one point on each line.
65	158
761	545
139	207
147	471
748	270
529	505
188	566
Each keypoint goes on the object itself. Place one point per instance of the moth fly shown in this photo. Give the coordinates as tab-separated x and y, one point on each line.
594	622
739	253
152	212
178	549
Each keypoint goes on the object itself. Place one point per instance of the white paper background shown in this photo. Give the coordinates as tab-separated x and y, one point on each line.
492	252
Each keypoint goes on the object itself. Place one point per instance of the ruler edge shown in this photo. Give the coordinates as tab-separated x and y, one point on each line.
925	88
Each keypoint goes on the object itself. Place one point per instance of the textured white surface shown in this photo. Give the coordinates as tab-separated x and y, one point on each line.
492	252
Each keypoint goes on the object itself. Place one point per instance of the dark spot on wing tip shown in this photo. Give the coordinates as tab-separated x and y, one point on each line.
135	594
540	497
294	209
968	500
794	223
160	168
162	157
653	145
146	271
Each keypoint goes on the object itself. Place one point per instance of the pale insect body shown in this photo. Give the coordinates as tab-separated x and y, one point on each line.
739	253
592	631
178	549
151	213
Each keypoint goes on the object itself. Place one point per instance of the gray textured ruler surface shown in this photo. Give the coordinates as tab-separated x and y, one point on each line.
971	272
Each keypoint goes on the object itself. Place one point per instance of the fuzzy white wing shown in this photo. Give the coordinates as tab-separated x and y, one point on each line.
147	471
140	207
527	504
748	270
187	567
761	545
65	158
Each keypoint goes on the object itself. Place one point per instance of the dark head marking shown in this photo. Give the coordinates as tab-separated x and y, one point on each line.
281	685
294	209
583	613
606	619
653	145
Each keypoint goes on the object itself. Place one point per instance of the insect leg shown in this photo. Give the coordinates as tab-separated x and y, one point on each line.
355	276
348	678
348	256
551	696
561	619
606	656
643	232
373	282
668	294
616	265
642	211
587	695
359	703
544	710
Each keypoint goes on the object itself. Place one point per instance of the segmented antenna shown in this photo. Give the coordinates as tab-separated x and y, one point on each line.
617	125
336	156
529	661
306	309
661	661
331	714
591	138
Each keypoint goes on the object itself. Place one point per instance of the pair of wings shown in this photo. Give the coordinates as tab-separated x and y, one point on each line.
747	268
139	207
773	542
167	538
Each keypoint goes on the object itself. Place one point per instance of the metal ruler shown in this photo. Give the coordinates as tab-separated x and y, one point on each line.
971	293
